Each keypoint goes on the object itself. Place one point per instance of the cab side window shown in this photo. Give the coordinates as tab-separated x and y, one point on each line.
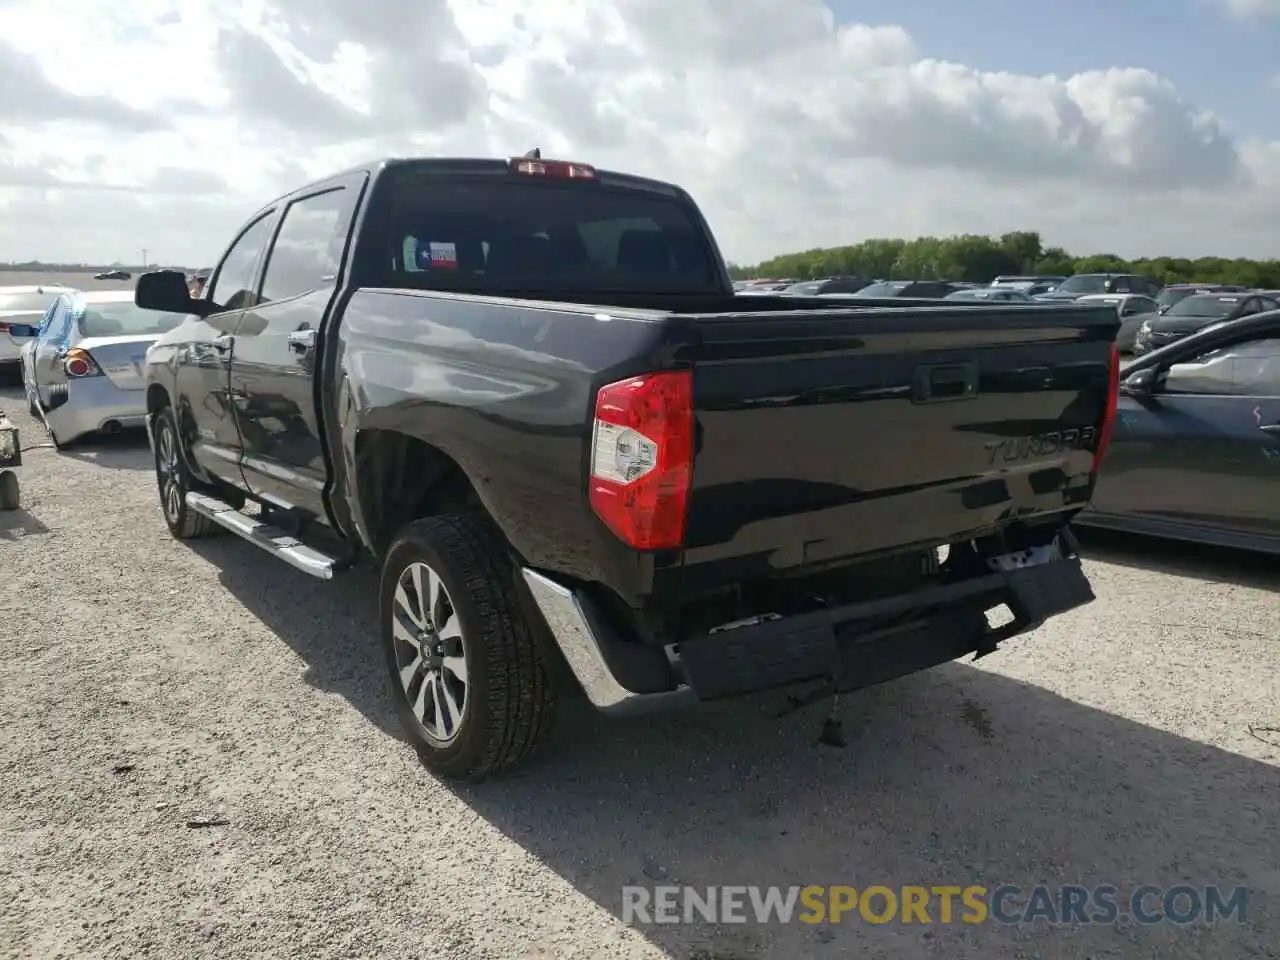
232	286
308	248
1250	368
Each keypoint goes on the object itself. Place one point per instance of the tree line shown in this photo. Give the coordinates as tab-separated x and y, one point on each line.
979	259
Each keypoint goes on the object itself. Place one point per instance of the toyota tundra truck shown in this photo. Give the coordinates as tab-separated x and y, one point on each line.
525	391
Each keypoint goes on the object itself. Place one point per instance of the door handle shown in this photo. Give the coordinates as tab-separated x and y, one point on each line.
1270	428
300	341
223	343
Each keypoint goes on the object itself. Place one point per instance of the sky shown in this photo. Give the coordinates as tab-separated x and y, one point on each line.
1136	128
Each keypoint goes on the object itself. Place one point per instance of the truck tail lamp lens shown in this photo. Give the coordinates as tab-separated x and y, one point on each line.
1109	414
552	169
642	458
79	363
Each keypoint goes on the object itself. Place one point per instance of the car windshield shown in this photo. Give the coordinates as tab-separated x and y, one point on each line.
478	234
1087	283
119	318
804	289
1203	305
882	290
11	303
1168	297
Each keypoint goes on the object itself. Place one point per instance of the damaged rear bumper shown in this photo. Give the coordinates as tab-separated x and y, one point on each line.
851	646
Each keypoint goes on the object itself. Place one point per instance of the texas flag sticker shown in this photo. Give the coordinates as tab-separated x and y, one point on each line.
444	256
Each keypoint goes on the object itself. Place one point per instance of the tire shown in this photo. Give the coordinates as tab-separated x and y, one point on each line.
174	481
32	407
507	700
10	491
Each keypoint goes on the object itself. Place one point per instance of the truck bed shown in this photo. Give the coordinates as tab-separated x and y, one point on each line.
827	434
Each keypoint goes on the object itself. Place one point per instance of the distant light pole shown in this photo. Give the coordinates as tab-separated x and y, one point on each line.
144	258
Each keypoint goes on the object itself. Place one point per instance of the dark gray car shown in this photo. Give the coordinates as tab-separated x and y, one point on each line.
1195	313
1196	448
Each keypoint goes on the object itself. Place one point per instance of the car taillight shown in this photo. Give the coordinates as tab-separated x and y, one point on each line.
1109	414
79	363
642	458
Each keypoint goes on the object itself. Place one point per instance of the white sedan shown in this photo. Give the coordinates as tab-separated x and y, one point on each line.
82	369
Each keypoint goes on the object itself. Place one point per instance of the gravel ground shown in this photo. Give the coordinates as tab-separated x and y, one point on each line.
147	684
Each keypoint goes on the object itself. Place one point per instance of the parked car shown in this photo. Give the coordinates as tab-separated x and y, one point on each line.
1175	292
924	289
82	367
1195	312
1081	284
811	288
990	294
1197	441
1030	285
21	307
1133	308
526	391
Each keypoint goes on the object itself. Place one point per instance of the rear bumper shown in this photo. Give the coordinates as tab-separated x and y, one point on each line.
95	403
852	646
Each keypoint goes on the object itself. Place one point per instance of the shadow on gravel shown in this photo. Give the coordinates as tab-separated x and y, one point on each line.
332	626
1216	564
952	776
127	450
17	525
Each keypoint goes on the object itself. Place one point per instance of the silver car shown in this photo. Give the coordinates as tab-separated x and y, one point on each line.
82	368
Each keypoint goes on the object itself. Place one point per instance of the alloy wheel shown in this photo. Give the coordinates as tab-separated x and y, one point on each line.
167	473
431	655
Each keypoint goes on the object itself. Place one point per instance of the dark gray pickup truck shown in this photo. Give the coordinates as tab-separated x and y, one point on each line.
526	391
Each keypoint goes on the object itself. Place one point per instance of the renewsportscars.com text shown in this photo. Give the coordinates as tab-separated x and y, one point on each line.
973	904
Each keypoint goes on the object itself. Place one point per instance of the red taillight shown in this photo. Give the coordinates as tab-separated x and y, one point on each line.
1109	414
78	363
554	169
642	458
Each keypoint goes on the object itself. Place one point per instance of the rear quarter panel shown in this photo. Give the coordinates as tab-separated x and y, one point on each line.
506	391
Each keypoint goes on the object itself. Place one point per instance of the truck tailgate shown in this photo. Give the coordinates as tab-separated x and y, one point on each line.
835	434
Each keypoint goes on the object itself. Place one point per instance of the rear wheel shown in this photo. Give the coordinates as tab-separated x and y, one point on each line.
10	491
469	682
174	482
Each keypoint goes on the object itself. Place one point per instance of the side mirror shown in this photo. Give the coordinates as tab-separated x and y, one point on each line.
166	291
1140	383
23	331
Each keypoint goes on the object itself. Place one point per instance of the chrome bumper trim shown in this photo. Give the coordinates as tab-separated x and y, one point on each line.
573	635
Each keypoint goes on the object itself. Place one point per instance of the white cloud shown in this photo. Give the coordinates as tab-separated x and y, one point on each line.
1252	9
791	132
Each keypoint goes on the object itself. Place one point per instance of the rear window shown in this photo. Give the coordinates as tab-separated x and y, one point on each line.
27	302
492	235
883	290
805	289
1085	283
1201	305
120	318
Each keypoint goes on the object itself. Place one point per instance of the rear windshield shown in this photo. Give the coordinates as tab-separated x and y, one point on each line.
494	235
882	290
121	318
1085	283
813	288
27	302
1203	306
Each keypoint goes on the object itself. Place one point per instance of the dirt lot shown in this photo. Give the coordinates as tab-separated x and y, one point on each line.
147	684
78	281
